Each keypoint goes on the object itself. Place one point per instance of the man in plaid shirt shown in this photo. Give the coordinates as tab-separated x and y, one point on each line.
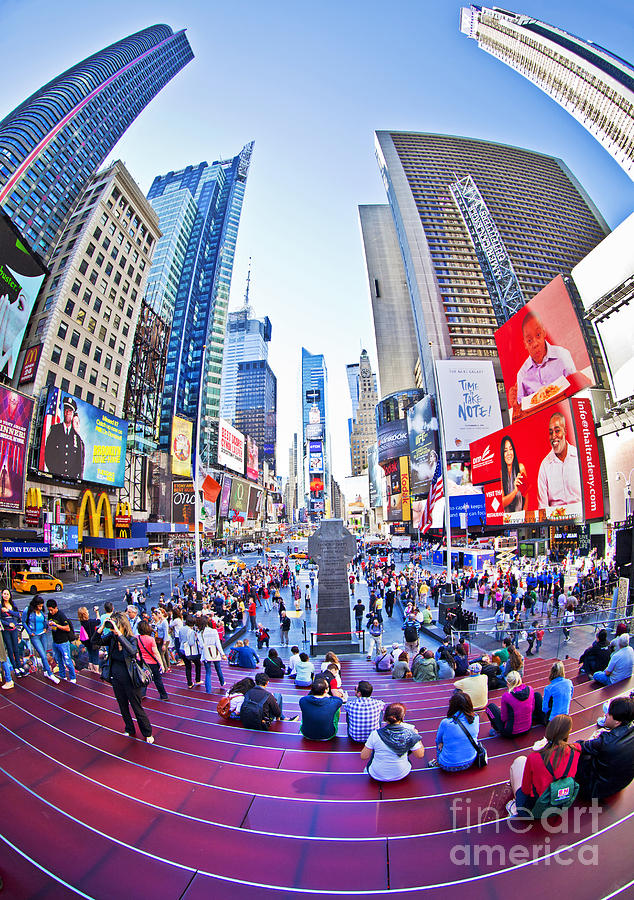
363	714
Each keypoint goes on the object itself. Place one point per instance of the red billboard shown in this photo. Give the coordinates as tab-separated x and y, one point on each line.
543	352
541	468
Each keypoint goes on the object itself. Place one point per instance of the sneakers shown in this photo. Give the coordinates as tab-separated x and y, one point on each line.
511	807
493	732
73	680
8	685
149	740
52	677
432	764
127	734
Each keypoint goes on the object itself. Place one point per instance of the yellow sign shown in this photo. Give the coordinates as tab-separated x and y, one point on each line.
406	505
181	446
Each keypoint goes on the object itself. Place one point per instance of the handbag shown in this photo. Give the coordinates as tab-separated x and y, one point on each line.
224	708
140	674
482	758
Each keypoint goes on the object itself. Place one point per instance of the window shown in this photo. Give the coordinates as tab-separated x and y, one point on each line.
103	285
129	312
70	306
97	304
104	382
97	356
114	253
56	355
65	384
122	349
117	321
101	403
77	391
115	387
112	409
125	330
93	277
90	249
76	286
70	362
81	369
97	233
102	332
83	266
108	269
117	368
93	376
111	229
74	339
112	342
90	397
86	347
108	361
87	295
50	378
107	313
81	315
100	259
105	243
62	330
117	278
92	324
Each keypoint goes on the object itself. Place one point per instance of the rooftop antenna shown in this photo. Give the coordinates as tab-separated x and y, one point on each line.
246	306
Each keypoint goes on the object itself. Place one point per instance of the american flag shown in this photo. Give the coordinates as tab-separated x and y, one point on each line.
436	493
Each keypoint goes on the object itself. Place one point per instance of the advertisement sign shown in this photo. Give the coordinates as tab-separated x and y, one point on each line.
541	463
268	449
230	447
619	462
64	537
81	442
225	495
14	550
181	446
255	502
615	338
21	277
239	499
15	418
375	476
464	496
393	440
29	365
252	459
316	484
422	429
183	502
316	462
470	403
493	503
406	508
315	447
609	265
543	351
392	471
314	429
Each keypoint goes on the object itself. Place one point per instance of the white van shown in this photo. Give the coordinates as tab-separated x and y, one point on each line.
216	567
249	547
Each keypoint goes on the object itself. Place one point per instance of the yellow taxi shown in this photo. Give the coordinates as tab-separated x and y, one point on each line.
35	582
299	554
237	562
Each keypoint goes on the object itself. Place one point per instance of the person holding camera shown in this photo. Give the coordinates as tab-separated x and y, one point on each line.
123	650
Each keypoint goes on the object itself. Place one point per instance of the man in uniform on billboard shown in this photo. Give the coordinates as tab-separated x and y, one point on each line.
545	363
558	483
64	452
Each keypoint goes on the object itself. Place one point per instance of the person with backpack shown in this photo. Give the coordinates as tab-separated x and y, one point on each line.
607	758
63	634
545	779
410	633
259	707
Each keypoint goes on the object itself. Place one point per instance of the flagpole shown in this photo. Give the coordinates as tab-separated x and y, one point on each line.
443	454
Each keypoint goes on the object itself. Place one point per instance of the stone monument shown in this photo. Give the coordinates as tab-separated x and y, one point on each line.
332	547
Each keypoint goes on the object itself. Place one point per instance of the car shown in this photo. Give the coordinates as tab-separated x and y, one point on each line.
233	562
249	547
35	582
276	554
299	554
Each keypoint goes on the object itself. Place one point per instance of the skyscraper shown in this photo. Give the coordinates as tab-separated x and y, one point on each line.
56	139
200	305
315	431
530	205
363	433
246	340
256	407
592	84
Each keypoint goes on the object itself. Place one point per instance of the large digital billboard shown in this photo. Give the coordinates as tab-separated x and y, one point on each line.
543	352
316	483
375	476
239	499
393	440
15	418
470	402
619	462
181	446
464	496
392	471
422	427
21	277
225	495
81	442
230	447
183	502
543	467
255	502
252	459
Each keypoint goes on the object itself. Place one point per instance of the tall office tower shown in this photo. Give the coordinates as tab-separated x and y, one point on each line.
397	350
290	497
364	427
246	340
477	223
56	139
200	305
592	84
315	431
256	407
86	317
352	374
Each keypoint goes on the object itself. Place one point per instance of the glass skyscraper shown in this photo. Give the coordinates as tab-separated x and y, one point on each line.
592	84
256	406
200	305
55	140
315	430
246	340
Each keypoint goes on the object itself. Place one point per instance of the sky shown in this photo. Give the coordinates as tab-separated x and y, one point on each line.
310	83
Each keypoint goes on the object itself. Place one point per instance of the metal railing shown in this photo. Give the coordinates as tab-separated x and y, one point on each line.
341	635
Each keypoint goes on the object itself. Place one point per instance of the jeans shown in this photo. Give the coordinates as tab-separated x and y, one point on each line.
11	643
8	671
61	652
374	642
38	642
601	678
284	636
218	668
188	660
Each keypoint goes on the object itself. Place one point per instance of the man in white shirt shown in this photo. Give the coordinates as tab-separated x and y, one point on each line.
558	482
545	363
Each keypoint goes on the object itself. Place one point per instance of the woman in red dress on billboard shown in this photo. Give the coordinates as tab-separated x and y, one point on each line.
514	481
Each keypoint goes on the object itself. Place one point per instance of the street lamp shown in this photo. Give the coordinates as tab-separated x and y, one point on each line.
627	491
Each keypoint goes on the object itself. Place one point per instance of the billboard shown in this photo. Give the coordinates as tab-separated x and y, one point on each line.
230	447
183	502
314	428
81	442
545	467
315	447
543	351
406	499
315	462
609	265
255	503
392	472
375	476
29	364
393	440
61	537
422	429
619	462
239	499
21	277
252	459
225	495
268	449
470	402
181	446
15	419
464	496
316	484
615	331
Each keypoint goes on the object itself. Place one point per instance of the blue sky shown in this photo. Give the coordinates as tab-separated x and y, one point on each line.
310	83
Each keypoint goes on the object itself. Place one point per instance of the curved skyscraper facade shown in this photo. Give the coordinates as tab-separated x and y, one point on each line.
592	84
55	140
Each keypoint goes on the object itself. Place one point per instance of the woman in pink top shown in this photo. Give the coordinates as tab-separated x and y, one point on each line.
151	657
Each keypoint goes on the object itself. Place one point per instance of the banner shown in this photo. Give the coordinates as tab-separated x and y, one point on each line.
588	459
255	503
183	502
239	500
375	476
252	459
29	365
230	447
392	471
81	442
315	462
225	495
21	277
422	429
470	402
181	446
406	508
543	352
15	419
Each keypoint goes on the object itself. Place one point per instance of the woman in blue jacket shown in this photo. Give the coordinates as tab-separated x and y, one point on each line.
36	624
557	693
455	750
